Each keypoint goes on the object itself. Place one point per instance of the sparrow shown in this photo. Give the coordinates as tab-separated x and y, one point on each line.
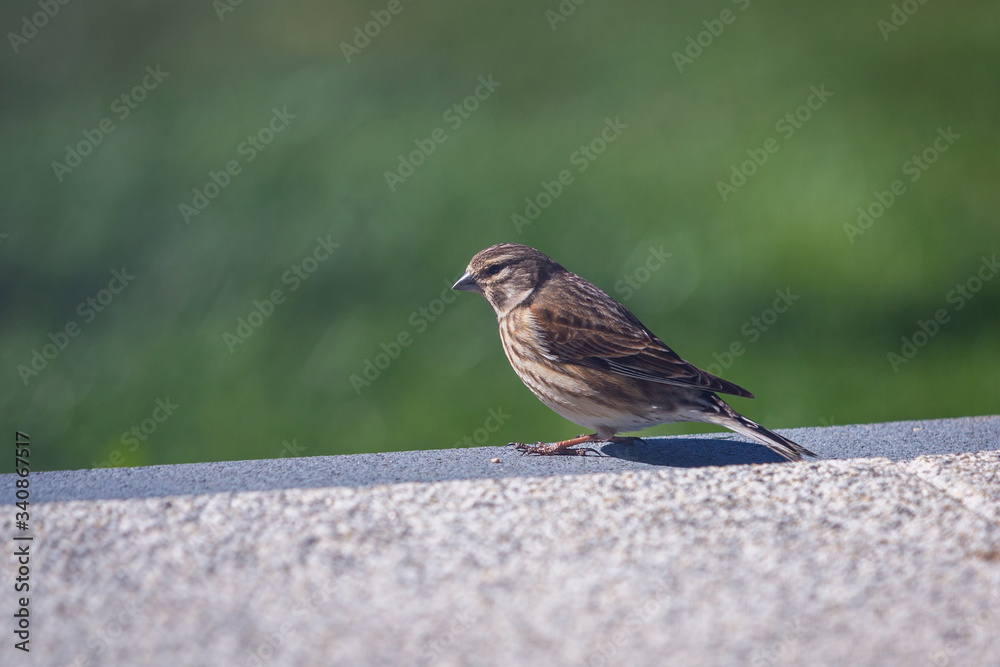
589	359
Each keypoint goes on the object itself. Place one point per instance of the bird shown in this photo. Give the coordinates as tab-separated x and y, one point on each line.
589	359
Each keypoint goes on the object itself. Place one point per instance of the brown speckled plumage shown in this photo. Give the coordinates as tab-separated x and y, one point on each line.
591	360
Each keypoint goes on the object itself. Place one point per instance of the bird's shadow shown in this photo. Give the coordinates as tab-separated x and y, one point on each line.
691	452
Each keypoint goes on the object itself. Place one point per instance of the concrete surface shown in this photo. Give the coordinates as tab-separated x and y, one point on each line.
895	440
669	554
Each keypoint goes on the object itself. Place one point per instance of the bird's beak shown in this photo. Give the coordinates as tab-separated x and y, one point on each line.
467	284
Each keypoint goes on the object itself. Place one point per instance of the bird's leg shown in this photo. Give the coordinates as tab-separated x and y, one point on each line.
562	447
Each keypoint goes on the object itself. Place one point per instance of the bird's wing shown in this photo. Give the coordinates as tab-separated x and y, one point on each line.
598	332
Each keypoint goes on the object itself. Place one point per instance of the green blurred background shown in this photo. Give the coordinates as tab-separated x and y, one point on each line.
287	389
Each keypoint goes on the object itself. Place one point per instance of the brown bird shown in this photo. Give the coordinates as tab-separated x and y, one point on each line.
592	361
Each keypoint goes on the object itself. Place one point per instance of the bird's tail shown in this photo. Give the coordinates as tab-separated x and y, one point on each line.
734	421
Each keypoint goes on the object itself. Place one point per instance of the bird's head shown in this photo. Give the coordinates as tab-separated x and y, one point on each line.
506	274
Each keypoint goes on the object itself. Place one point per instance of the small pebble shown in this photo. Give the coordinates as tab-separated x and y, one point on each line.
494	460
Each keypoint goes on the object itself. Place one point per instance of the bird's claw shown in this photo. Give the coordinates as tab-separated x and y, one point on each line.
546	449
582	451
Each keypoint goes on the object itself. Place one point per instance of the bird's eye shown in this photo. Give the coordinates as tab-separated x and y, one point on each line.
493	270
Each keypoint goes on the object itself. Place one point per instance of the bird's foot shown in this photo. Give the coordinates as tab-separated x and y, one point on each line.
552	449
563	447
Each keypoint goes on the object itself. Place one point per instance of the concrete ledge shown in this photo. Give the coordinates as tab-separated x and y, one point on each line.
624	560
897	441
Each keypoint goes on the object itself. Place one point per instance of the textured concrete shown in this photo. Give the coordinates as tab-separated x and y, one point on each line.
857	561
896	440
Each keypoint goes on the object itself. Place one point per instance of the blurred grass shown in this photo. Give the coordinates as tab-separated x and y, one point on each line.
823	360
